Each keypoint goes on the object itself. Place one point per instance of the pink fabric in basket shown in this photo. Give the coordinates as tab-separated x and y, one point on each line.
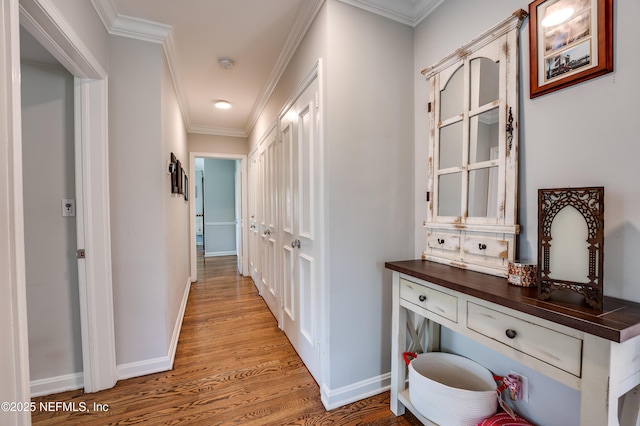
503	419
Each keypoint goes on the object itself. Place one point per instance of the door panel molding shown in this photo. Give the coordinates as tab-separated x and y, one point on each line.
303	259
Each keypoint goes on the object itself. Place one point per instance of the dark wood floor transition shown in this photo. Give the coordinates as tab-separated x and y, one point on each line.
233	366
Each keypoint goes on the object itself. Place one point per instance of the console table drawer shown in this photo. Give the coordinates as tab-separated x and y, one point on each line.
551	346
435	301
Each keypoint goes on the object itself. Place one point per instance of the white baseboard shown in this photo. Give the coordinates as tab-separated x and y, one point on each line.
165	363
173	346
57	384
355	392
142	368
220	253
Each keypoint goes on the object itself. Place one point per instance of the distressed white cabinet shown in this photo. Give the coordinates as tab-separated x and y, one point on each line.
596	354
473	152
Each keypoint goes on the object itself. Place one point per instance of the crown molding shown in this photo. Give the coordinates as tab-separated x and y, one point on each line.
302	22
171	53
153	32
127	26
412	14
144	30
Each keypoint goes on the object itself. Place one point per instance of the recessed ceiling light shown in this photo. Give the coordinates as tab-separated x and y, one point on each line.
226	63
222	105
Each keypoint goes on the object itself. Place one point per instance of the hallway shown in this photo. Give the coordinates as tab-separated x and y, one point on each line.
232	366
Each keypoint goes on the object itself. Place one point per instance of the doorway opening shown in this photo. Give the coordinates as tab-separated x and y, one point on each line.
218	209
89	161
49	196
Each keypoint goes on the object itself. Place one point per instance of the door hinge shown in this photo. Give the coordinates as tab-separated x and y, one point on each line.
81	254
429	107
428	196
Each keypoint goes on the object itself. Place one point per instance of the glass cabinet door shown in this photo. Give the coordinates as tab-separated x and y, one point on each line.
468	139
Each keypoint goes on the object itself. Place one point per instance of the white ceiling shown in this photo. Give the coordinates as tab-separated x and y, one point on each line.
259	35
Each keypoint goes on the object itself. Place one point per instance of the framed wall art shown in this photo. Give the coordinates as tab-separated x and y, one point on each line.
174	175
186	188
179	177
570	41
571	243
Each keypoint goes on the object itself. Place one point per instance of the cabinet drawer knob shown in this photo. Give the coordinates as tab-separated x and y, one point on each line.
511	334
482	246
422	297
440	241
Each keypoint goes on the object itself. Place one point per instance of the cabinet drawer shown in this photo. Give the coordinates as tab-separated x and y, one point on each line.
483	246
435	301
444	241
550	346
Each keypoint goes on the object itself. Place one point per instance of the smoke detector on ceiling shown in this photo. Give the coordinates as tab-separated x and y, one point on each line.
226	63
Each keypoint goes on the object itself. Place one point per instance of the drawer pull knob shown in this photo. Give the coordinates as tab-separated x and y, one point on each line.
511	334
440	241
422	297
482	246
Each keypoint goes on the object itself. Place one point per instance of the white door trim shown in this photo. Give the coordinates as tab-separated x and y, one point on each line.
96	295
14	358
192	208
45	22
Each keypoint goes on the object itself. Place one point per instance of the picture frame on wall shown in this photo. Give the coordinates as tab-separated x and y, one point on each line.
570	41
179	176
186	188
174	174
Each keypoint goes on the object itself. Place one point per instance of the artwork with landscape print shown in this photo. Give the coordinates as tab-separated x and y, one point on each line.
571	41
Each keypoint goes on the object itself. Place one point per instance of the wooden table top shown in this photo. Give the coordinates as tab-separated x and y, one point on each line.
619	320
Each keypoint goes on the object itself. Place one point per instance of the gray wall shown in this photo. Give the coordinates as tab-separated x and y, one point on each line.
150	235
175	211
137	180
584	135
53	307
369	169
217	144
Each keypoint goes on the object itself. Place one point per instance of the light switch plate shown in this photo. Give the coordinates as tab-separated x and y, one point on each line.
68	207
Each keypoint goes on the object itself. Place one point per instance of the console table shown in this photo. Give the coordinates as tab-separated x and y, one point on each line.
597	354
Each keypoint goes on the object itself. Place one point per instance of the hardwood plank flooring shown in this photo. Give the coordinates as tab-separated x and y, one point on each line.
233	366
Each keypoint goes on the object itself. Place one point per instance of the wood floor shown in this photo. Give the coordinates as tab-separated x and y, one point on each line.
233	366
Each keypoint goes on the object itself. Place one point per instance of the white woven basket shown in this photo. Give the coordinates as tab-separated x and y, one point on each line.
451	390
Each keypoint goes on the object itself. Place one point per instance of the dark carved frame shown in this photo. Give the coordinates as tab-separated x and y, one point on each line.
590	203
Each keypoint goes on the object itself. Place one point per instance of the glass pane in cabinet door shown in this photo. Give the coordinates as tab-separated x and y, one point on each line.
450	146
449	194
484	136
483	192
452	96
485	82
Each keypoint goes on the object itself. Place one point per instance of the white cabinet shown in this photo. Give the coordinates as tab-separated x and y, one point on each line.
473	152
596	354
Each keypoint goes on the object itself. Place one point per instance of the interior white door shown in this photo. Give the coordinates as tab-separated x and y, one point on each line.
254	238
301	210
269	221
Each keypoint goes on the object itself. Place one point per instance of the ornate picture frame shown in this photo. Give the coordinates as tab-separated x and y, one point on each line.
570	41
571	242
